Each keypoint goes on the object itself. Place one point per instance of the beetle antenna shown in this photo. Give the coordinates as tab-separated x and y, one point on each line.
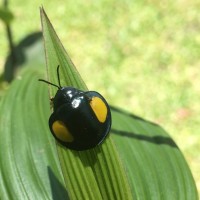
58	75
49	83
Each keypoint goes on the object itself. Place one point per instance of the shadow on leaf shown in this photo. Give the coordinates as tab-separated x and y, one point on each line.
19	56
156	139
57	189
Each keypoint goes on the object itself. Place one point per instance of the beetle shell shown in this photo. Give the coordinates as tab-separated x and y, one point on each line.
81	120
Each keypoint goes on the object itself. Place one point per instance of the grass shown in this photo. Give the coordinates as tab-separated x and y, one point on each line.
142	55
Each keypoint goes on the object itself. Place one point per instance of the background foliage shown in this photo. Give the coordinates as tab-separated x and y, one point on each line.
146	51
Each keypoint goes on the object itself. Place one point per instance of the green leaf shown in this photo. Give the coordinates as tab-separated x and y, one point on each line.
27	151
92	174
155	166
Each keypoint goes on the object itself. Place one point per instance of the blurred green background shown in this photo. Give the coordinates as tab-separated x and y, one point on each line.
143	56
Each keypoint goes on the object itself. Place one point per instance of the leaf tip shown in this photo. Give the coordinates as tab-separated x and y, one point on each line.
42	11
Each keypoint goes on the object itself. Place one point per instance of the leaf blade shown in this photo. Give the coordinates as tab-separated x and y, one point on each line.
151	156
26	147
89	162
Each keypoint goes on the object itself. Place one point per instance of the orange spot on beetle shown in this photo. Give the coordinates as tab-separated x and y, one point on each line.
99	108
61	131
